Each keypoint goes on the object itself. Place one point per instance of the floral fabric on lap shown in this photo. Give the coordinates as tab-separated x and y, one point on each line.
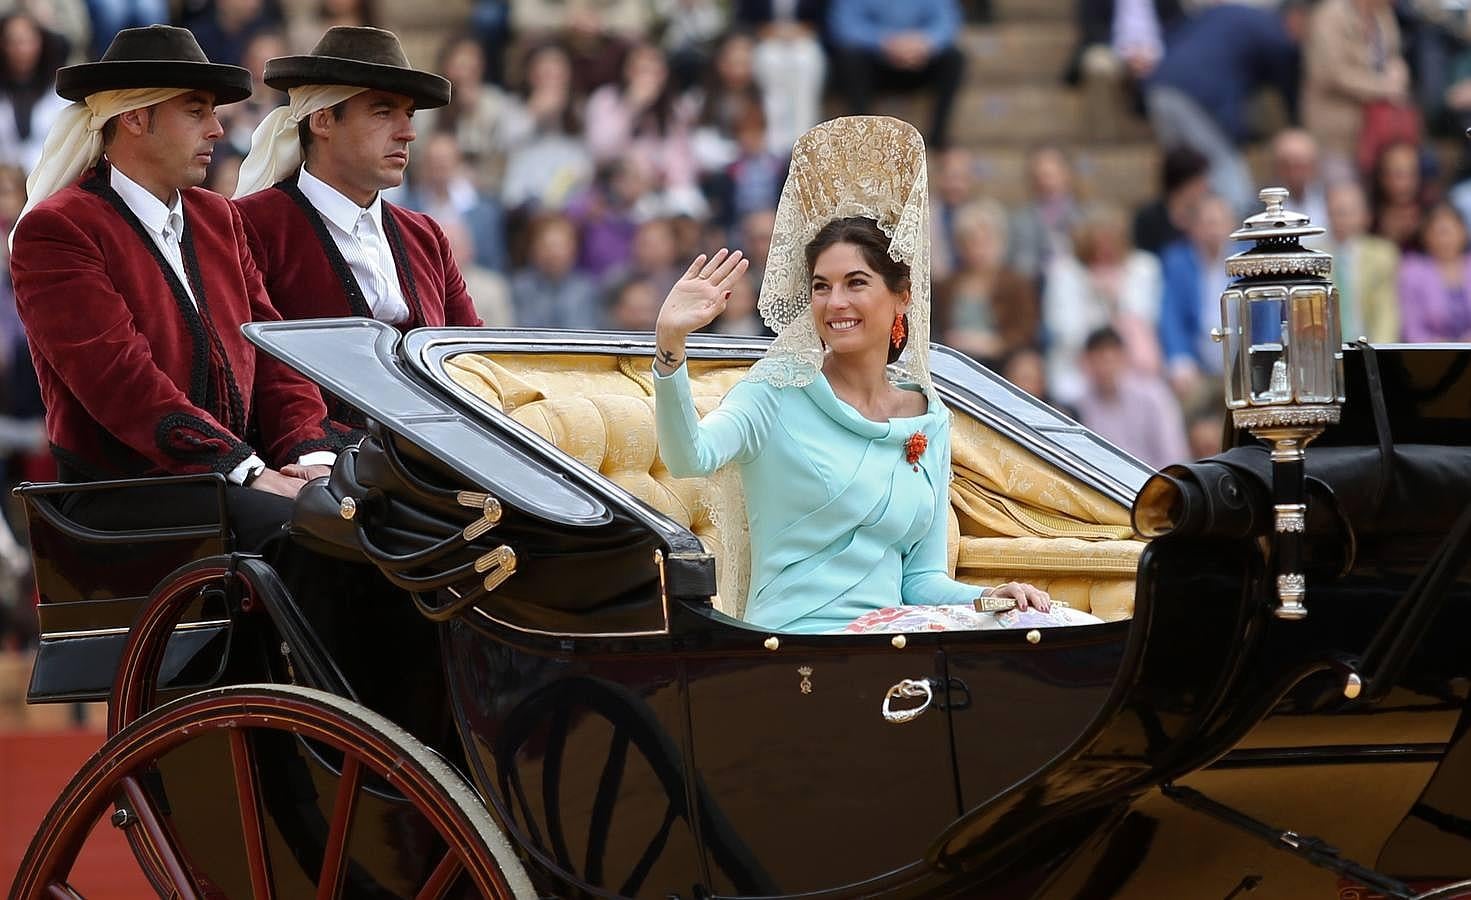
955	617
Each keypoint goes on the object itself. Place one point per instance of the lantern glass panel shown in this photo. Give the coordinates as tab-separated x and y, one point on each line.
1315	345
1267	338
1238	386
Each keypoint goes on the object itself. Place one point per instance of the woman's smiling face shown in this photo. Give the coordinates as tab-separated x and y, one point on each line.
853	309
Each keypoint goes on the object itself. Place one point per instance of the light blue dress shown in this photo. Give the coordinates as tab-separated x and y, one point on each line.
841	523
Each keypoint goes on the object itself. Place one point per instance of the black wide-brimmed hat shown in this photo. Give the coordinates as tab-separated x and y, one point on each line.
157	56
359	57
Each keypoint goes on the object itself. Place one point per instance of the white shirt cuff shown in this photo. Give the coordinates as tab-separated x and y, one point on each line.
317	458
237	474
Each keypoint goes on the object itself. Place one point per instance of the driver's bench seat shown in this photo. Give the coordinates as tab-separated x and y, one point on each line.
1012	516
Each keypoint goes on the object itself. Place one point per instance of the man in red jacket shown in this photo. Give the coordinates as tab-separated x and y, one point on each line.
325	241
133	283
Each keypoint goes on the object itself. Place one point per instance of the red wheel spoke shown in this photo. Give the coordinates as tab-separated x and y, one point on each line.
441	878
159	837
473	855
248	796
330	881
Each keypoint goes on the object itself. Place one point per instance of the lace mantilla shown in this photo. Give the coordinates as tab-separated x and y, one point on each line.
871	166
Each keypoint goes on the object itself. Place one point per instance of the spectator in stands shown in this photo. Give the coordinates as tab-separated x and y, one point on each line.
546	163
1457	106
789	63
1214	63
549	292
1365	268
883	45
955	186
690	30
108	17
654	259
1204	432
635	306
754	241
1399	195
1041	229
1352	59
224	28
1435	280
1185	180
1104	281
224	170
753	181
441	186
29	58
1026	369
490	22
596	33
484	119
607	215
241	119
728	91
67	18
488	289
303	31
1120	42
1121	38
1194	272
641	116
1295	166
626	19
983	308
741	315
1130	409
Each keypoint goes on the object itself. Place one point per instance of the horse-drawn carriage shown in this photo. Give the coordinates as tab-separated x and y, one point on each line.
557	700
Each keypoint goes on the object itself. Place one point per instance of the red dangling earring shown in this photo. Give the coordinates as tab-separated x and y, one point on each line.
897	333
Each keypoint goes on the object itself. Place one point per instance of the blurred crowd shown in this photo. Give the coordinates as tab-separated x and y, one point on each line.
592	147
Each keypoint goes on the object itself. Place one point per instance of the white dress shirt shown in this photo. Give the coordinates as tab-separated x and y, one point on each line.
165	225
359	235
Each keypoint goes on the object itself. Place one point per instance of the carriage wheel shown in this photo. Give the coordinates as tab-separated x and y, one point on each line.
472	857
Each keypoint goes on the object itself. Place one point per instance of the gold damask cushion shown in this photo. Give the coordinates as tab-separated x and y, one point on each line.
1012	517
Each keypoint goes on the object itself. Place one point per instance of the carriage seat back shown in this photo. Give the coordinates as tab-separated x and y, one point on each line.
1011	518
90	584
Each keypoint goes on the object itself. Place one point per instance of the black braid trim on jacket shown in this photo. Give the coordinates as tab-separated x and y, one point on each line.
173	443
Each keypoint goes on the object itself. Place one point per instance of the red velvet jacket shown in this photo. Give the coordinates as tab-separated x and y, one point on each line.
135	379
307	277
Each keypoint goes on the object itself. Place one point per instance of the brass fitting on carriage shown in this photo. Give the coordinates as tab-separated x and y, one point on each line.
500	563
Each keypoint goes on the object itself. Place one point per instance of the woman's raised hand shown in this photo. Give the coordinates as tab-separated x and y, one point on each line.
694	302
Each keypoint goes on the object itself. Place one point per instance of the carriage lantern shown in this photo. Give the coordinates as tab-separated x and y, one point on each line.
1283	364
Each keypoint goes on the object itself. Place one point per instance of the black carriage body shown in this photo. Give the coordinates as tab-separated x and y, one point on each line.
631	740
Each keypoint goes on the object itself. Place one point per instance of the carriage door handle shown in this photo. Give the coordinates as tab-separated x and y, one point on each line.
908	689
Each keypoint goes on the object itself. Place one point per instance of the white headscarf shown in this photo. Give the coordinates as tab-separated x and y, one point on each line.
275	147
74	142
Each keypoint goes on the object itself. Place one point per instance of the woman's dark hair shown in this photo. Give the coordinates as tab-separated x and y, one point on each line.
1436	210
864	233
657	119
569	120
29	88
719	106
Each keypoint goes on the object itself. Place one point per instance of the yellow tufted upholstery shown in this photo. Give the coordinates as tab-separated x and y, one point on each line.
1012	516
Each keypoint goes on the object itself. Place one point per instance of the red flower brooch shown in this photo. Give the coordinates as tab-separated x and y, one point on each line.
914	448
